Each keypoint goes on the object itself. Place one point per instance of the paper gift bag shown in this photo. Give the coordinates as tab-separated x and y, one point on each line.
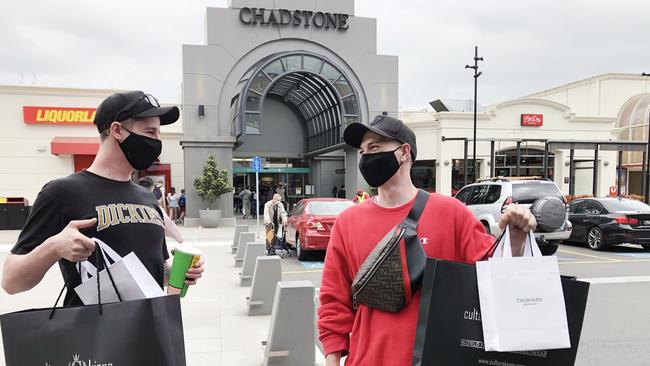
522	304
132	279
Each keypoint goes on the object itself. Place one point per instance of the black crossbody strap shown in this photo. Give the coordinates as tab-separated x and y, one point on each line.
415	255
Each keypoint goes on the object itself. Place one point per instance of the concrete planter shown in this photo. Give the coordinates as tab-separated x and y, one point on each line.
209	218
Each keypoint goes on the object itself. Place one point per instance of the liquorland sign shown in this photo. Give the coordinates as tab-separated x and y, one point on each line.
58	116
295	18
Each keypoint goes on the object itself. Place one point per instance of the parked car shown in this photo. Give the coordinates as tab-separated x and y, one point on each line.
601	222
310	223
488	199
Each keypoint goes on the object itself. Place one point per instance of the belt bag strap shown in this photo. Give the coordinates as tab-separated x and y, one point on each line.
415	255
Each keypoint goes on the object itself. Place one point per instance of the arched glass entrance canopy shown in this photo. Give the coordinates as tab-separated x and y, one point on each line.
316	89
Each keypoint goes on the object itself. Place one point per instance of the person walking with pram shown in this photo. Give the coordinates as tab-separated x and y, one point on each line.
275	219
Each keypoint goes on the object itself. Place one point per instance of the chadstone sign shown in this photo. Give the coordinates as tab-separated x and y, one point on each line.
284	17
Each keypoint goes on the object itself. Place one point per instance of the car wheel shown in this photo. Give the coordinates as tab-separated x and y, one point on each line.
301	254
646	246
486	227
595	239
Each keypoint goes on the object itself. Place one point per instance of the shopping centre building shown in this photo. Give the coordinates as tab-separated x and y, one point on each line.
280	81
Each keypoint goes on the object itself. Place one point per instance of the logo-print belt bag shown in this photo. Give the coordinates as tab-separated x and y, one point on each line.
392	272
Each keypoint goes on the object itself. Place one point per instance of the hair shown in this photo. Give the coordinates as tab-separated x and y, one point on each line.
183	190
277	196
128	123
172	190
146	182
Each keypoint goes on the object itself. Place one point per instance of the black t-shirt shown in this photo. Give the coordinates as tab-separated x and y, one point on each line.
129	219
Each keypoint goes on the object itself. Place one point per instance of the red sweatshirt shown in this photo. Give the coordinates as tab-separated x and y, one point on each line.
447	230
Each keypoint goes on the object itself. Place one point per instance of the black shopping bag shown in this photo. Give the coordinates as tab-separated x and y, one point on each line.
139	332
129	333
449	330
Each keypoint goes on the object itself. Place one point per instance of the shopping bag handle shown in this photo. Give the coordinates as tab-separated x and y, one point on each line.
506	250
493	248
87	270
99	258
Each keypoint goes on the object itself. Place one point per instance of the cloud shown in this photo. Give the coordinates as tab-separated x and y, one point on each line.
527	45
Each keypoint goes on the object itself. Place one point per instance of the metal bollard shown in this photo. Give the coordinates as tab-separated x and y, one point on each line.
235	242
244	239
253	251
266	275
291	333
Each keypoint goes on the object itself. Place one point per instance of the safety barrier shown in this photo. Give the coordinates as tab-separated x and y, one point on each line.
235	242
291	333
267	274
253	251
244	239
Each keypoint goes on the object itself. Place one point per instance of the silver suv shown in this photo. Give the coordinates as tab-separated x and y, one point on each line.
488	199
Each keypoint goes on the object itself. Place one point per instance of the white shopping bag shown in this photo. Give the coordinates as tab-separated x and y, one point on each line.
522	303
280	232
132	279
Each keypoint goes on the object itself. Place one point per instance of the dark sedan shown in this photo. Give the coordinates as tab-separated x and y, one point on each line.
600	222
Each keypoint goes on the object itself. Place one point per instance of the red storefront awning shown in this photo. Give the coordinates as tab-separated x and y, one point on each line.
75	145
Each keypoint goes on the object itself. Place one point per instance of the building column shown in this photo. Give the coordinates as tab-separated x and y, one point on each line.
443	171
353	177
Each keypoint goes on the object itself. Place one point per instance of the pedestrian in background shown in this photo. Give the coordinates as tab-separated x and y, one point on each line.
360	196
275	216
181	205
245	196
341	192
172	204
171	230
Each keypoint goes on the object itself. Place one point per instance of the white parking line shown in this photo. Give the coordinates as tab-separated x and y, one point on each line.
623	279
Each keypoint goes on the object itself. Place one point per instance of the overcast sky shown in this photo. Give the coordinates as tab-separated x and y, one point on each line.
528	46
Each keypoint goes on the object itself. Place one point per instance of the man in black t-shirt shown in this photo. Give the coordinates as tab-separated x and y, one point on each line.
100	202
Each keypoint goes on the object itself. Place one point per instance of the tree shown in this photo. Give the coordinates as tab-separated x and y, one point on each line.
212	183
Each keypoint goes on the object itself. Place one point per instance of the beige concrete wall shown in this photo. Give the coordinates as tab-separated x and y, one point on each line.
26	161
502	121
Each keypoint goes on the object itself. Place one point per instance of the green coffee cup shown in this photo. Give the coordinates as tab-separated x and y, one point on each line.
185	256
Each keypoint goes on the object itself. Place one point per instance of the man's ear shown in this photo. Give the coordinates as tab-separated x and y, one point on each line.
116	131
406	153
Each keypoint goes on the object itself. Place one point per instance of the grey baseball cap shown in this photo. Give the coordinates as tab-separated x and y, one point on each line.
385	126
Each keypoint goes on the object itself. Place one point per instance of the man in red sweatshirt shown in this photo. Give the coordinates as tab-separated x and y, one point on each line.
447	230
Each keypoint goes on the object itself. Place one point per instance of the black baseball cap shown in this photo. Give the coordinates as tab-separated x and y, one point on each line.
385	126
132	104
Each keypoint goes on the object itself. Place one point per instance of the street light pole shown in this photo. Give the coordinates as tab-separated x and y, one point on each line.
476	75
646	191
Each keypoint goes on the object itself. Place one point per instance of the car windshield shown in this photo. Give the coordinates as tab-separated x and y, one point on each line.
625	205
328	208
529	192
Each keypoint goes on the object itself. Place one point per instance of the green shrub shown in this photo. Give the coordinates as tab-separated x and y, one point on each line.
212	183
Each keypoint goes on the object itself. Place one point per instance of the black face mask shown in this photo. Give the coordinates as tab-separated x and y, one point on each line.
379	167
141	151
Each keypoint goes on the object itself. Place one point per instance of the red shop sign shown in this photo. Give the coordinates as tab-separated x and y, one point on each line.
532	120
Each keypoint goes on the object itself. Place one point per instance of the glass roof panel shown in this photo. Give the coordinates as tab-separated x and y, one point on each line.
312	64
294	63
274	69
330	73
